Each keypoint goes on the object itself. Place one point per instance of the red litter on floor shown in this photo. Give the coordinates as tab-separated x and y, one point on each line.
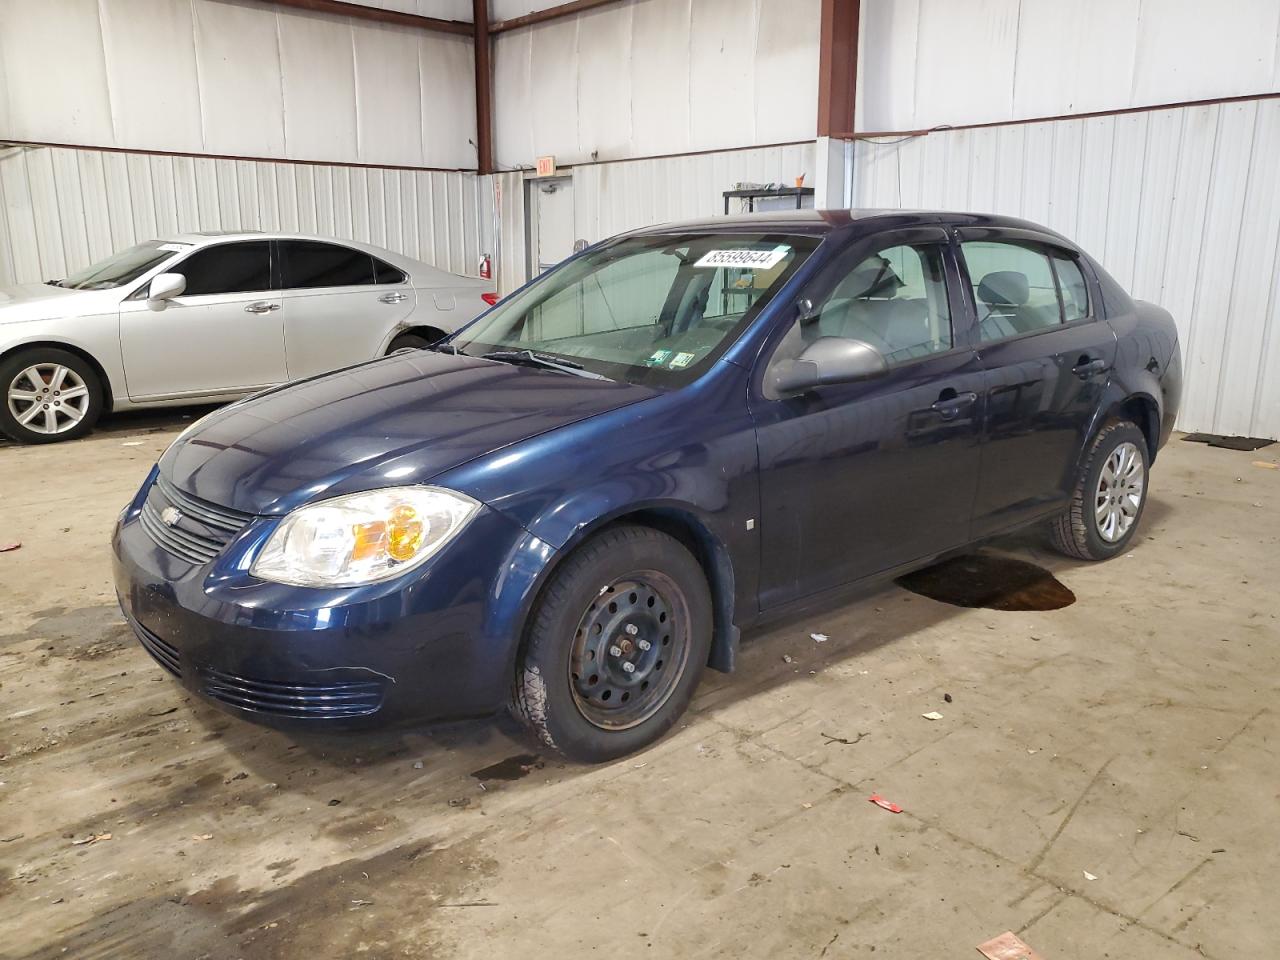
6	547
880	801
1007	946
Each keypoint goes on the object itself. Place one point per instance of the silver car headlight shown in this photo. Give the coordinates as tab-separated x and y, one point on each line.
363	537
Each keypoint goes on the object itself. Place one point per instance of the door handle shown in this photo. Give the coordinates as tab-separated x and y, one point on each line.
1087	368
261	306
950	404
393	297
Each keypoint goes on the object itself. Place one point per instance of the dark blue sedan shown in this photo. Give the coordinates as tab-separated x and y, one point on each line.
576	503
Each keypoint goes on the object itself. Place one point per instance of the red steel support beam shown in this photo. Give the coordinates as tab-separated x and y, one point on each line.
551	13
484	87
837	66
378	15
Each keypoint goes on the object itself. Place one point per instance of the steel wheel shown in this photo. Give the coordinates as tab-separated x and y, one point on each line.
1118	499
629	650
48	398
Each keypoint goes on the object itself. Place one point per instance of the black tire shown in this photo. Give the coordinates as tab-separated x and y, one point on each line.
12	377
1077	531
638	573
411	341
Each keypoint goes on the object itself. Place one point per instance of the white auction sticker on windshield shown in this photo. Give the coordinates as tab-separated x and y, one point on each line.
174	247
746	259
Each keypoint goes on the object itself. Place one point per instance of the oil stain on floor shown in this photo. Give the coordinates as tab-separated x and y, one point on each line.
991	582
512	768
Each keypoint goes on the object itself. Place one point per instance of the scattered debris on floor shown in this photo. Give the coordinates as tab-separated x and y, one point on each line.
91	839
1267	464
880	801
512	768
1088	875
819	637
847	742
1007	946
932	715
8	547
946	698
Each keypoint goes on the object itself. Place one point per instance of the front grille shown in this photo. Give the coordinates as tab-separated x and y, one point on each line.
201	529
346	698
163	653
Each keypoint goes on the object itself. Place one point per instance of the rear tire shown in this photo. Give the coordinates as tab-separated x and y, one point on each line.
615	647
1109	497
411	341
48	395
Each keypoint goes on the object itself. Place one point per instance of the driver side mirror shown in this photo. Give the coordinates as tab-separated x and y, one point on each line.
829	360
166	286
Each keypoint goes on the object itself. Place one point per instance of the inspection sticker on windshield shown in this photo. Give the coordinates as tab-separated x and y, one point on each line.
174	247
681	360
746	259
658	358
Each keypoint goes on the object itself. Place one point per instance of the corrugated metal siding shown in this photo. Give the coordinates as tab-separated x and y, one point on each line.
1182	206
610	198
61	209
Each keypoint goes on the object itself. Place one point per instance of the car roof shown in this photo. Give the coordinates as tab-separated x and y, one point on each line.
823	222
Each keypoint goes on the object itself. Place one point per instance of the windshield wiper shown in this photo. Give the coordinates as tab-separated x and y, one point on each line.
530	359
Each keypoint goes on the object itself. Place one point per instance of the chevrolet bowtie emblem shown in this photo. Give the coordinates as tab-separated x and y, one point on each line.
170	516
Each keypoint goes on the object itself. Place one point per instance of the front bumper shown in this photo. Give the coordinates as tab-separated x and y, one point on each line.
438	643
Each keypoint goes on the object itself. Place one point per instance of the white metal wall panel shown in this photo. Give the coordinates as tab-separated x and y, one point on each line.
61	208
236	78
610	198
1182	206
646	78
931	62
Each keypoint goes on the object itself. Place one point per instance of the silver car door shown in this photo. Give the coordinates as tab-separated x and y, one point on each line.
340	304
223	335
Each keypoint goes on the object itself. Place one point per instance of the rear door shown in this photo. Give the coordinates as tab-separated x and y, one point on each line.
340	304
224	335
1047	355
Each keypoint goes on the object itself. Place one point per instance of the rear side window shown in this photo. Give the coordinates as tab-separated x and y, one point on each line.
243	267
384	272
309	264
1013	287
1075	292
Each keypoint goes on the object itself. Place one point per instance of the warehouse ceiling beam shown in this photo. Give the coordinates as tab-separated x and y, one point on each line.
551	13
837	66
378	15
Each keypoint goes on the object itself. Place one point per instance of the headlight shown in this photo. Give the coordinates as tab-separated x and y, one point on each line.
363	537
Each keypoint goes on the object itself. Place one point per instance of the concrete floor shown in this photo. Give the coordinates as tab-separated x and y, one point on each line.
1133	735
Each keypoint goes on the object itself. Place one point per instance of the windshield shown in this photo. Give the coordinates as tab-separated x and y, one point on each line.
122	267
656	310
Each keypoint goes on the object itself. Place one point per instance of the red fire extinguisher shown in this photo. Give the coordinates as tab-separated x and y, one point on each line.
486	267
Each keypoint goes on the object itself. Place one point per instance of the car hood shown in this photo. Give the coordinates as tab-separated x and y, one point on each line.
41	301
400	420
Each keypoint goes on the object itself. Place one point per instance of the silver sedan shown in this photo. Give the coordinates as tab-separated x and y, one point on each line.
209	317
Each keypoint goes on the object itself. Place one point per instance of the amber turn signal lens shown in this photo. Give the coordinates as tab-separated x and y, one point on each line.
405	533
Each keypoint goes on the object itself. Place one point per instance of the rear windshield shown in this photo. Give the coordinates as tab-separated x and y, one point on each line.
656	310
120	268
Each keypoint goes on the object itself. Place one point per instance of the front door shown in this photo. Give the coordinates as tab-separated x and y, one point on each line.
551	230
223	335
859	478
1047	354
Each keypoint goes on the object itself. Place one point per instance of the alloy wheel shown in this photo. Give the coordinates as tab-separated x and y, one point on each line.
48	398
1120	490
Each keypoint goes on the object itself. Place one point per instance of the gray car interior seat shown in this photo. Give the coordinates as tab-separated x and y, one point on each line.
1004	294
864	307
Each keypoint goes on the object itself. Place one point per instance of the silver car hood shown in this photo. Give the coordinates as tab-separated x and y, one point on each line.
41	301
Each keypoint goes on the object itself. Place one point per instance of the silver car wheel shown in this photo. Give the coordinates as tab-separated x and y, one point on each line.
48	398
1121	486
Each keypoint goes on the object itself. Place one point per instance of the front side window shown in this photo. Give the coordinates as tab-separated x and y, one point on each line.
1013	287
309	264
652	309
243	267
121	268
894	299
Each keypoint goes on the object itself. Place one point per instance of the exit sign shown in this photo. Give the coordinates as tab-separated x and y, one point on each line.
546	166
